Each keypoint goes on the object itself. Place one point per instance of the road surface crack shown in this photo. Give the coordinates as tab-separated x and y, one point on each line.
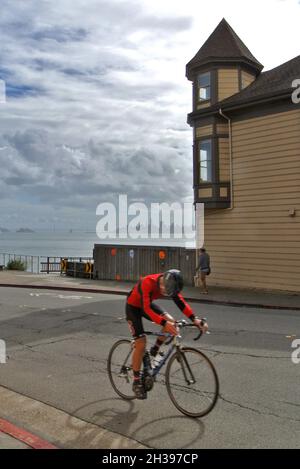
251	355
257	411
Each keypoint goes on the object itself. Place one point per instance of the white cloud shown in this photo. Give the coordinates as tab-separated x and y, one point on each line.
98	97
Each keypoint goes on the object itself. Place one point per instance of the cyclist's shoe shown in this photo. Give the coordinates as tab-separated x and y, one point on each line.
148	382
139	390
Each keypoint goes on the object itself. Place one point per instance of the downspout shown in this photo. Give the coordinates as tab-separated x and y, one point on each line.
230	158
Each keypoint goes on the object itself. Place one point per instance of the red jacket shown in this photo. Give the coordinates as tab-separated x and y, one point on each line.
147	290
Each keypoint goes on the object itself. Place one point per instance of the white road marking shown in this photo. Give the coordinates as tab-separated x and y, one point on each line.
62	297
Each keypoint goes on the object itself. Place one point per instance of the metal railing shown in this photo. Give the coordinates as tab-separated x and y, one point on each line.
32	263
73	266
49	265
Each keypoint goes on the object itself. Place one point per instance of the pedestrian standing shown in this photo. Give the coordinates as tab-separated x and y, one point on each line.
204	268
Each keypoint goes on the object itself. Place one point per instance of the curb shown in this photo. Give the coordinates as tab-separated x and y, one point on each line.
124	293
24	436
49	287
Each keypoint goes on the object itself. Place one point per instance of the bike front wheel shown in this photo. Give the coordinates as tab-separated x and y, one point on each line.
120	369
192	382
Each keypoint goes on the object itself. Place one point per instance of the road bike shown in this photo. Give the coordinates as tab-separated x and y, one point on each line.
191	379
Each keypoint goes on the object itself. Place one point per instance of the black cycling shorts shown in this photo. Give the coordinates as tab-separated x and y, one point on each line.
134	318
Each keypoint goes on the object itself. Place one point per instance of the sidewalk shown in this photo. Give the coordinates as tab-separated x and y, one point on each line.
26	423
217	295
8	442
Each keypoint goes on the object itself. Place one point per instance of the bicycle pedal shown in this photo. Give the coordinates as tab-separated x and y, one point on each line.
139	391
148	383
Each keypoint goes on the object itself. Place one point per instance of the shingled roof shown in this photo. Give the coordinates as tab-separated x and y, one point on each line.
271	83
223	45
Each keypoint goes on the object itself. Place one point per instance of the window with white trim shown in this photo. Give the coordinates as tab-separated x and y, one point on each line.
205	161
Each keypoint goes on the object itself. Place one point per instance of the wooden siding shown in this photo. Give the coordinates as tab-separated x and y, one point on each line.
204	131
205	193
222	129
224	192
228	83
224	163
247	79
257	244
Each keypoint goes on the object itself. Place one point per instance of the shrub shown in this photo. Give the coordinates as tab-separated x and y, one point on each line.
16	264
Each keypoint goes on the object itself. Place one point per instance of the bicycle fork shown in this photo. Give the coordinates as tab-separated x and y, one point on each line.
185	367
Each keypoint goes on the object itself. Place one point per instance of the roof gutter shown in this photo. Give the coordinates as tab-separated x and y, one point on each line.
230	157
238	107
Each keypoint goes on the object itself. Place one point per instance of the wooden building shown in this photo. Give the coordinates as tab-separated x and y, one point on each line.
246	132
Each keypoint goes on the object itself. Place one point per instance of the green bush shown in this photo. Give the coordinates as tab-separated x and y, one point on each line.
16	264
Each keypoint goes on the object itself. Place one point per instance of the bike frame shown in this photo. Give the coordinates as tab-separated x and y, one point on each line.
174	345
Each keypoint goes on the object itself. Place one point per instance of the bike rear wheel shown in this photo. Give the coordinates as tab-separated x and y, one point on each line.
120	369
192	382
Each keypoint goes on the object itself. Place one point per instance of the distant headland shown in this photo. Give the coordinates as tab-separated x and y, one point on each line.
20	230
24	230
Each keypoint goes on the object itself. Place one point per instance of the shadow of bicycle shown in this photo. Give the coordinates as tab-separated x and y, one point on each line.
170	432
91	428
124	419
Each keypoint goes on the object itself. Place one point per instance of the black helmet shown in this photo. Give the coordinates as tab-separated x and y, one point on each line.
173	282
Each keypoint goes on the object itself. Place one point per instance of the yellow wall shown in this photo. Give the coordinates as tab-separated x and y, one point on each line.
204	131
205	192
247	79
224	162
228	83
257	244
222	129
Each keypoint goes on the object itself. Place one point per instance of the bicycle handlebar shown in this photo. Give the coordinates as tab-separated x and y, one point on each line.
183	323
199	335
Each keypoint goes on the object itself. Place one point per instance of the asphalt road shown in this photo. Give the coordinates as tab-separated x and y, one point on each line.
58	345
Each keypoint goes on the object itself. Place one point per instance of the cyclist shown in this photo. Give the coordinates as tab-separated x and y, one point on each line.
140	304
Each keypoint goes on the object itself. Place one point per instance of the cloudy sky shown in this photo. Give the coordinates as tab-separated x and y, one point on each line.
97	98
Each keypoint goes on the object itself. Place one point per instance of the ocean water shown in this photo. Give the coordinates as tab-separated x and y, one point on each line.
66	244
